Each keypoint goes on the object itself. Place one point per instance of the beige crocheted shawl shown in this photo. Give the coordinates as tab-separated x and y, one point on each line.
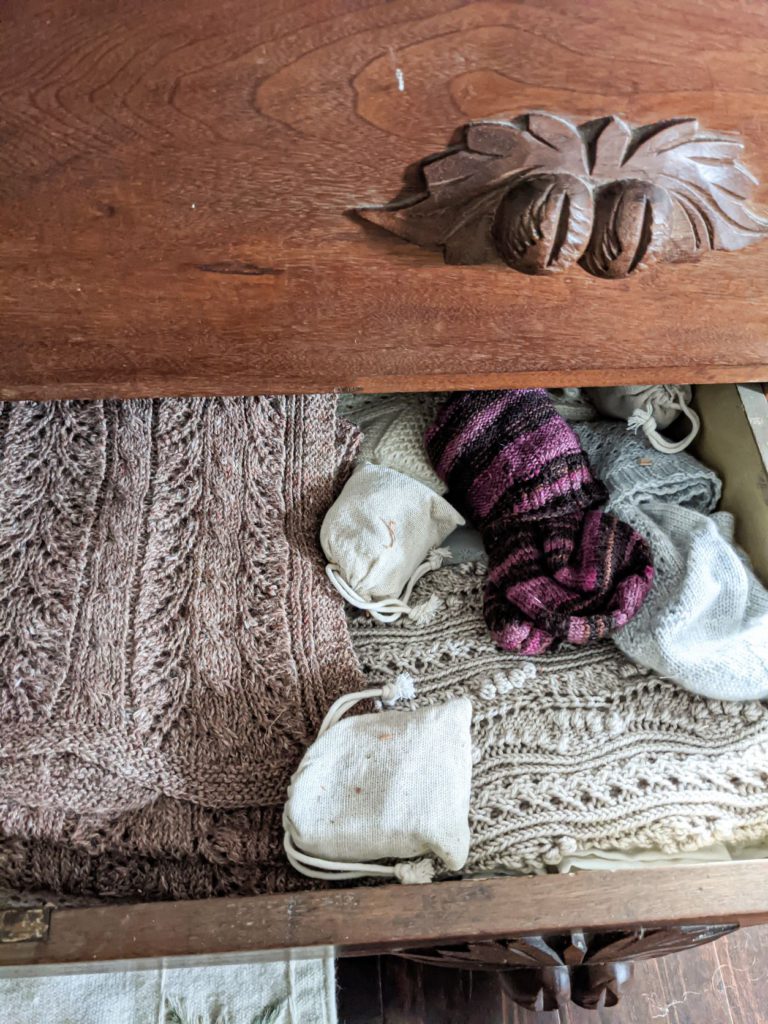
580	749
168	642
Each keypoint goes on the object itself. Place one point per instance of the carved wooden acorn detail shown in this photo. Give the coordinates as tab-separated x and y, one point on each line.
541	194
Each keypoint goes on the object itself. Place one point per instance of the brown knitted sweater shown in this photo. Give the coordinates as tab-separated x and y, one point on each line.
168	644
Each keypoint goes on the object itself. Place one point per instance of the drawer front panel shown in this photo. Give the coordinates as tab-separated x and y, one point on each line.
177	180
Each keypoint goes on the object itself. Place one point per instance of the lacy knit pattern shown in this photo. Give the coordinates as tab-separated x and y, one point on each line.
168	641
579	749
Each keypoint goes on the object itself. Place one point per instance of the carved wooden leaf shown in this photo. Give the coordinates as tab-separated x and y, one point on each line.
593	969
512	954
609	148
576	949
702	173
541	193
652	943
466	186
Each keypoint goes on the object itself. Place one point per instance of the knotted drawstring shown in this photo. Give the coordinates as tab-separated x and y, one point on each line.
389	609
643	419
401	688
416	872
409	872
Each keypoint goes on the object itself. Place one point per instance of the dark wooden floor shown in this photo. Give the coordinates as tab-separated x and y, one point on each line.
722	983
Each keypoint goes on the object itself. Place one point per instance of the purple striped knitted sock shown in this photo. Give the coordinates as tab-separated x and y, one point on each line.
560	569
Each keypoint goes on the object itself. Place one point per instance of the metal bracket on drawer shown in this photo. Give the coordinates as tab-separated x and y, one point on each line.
30	925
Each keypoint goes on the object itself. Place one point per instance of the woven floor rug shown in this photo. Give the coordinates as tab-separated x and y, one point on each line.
168	642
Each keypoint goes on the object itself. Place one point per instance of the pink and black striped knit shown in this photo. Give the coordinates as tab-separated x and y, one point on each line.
560	568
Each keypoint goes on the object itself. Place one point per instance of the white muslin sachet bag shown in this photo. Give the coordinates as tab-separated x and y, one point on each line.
392	785
381	535
650	409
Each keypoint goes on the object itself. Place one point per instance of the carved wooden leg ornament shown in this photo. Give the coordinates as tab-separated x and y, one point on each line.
590	969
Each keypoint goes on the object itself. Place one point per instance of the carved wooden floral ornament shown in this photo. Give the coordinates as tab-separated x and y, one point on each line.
541	193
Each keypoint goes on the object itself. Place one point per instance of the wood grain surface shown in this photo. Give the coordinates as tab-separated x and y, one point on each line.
360	920
174	181
724	983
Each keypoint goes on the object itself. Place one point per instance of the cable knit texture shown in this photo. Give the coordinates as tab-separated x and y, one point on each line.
579	749
560	569
168	641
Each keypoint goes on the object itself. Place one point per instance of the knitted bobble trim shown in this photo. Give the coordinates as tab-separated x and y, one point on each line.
577	750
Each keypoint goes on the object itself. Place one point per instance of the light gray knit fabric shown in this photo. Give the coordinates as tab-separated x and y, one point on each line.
705	621
580	749
393	432
633	471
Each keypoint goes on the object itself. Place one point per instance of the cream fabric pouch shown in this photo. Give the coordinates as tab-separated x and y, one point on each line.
650	409
391	785
381	535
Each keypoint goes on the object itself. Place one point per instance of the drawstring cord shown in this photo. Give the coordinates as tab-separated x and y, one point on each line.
401	689
409	872
416	872
389	609
643	419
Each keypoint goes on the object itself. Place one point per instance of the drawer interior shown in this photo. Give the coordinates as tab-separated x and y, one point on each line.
730	443
733	442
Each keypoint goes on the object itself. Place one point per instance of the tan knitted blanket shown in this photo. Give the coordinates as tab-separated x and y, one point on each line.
168	642
580	749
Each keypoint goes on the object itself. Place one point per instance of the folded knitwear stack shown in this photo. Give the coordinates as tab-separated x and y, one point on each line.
591	747
169	643
578	749
572	519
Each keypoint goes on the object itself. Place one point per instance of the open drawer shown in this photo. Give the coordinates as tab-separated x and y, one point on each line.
185	209
615	915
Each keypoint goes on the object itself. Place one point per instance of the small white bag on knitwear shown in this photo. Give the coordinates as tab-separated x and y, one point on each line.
650	409
380	536
392	785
